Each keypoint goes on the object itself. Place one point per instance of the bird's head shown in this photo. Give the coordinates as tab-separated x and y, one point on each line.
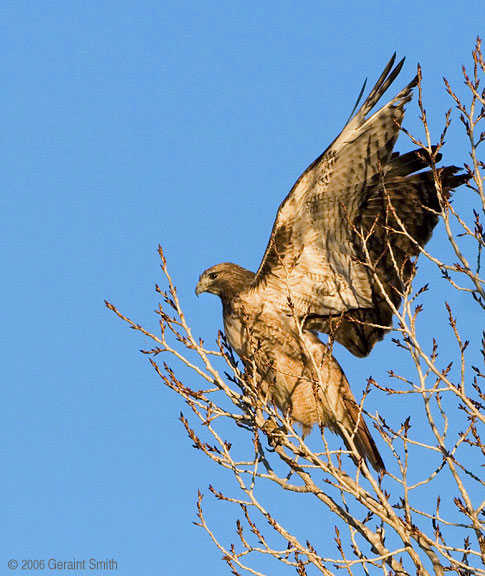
224	280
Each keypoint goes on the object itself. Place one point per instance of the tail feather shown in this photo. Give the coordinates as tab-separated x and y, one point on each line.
366	447
343	415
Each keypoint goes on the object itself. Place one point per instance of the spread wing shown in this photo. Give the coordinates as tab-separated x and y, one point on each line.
316	259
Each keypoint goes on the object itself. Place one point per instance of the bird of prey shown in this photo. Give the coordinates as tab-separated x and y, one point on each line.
337	262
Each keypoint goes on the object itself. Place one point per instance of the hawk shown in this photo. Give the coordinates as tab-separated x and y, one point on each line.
337	262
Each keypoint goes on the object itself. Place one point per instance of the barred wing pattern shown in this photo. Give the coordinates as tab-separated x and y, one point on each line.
316	259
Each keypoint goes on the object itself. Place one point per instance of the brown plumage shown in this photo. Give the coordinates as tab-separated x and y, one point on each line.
337	261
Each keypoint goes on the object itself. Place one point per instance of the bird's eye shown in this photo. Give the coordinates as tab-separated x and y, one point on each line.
213	275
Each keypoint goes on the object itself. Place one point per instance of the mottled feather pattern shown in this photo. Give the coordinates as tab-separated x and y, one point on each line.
349	225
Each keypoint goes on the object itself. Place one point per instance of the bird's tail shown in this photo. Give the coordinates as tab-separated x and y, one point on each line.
342	414
362	439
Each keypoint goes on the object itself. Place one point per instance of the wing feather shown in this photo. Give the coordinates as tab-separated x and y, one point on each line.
315	261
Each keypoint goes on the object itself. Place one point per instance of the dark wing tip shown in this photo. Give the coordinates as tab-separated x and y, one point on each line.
389	74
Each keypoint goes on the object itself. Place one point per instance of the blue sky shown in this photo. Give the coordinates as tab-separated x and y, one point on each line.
128	124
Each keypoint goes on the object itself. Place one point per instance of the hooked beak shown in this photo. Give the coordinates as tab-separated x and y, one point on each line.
199	288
